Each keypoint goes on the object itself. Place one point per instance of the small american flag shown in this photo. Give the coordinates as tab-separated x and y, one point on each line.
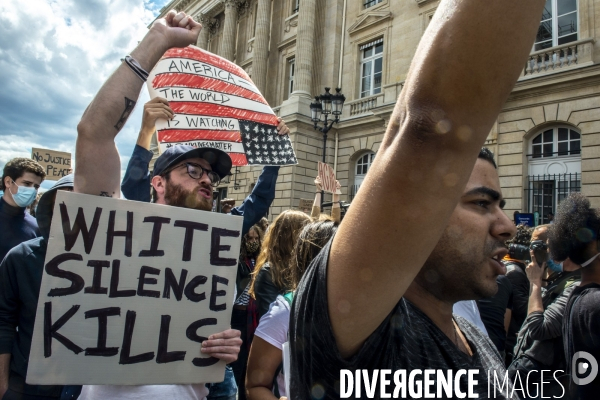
217	105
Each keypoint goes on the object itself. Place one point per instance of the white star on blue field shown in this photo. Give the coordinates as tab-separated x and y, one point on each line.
54	56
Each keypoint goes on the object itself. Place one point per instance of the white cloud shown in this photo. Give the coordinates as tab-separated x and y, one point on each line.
54	56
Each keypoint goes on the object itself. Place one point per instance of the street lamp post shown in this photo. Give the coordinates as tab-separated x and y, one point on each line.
324	105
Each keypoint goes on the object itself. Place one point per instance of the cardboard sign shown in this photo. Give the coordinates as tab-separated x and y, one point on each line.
129	292
216	105
306	205
327	178
56	163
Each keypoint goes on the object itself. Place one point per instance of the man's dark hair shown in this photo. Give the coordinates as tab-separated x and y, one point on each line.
16	167
575	225
523	236
488	155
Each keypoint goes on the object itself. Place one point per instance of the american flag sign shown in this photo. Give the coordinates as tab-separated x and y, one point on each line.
216	105
327	178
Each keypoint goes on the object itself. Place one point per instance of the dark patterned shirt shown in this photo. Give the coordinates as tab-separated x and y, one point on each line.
406	340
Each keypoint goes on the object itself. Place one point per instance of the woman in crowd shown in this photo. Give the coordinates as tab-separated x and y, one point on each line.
264	378
272	275
244	316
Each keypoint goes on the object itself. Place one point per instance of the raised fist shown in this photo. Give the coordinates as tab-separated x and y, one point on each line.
179	29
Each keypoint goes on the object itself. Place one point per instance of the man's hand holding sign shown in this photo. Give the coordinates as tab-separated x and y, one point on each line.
130	292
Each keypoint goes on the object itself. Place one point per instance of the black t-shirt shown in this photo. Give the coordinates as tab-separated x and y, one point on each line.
581	332
520	298
406	340
492	310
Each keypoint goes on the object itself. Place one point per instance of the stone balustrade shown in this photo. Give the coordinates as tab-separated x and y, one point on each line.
364	104
561	57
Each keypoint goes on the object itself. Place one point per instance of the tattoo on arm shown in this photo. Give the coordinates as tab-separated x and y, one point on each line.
105	194
129	104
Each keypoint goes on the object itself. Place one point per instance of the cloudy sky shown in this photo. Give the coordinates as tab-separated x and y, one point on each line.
54	56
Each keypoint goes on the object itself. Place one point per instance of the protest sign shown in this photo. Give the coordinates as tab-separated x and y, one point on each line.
216	105
328	178
56	163
525	218
130	290
305	205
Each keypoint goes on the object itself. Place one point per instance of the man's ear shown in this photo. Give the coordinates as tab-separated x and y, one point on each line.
159	184
7	181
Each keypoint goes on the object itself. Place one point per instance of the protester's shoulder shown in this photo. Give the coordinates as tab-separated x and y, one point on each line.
589	299
480	339
24	250
30	220
279	310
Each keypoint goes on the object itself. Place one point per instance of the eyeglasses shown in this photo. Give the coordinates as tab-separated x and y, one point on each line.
196	172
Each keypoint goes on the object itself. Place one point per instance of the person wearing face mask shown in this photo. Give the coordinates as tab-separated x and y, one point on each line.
575	235
540	340
21	180
244	316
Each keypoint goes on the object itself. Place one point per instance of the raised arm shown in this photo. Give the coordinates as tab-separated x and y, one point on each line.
256	205
98	167
136	182
316	207
452	96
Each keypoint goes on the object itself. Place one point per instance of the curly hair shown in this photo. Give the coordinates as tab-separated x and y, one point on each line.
522	237
277	249
312	239
575	225
16	167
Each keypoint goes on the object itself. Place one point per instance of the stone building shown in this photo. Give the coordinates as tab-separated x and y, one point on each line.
546	140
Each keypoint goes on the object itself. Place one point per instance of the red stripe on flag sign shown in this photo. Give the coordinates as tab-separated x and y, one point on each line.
238	159
214	110
195	81
207	58
183	135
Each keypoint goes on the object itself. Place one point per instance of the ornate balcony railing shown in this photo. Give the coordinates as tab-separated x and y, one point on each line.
560	57
365	104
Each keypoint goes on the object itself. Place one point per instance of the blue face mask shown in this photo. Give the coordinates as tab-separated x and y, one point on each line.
556	267
24	196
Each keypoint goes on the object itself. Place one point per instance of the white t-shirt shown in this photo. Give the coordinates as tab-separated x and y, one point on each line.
144	392
273	329
468	310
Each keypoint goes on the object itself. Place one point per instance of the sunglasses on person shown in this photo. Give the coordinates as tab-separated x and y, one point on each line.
196	171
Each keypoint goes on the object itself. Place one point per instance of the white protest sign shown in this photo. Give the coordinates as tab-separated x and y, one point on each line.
130	290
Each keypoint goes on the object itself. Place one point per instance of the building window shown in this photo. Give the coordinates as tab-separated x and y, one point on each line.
554	170
560	141
291	76
371	3
545	192
362	166
559	24
371	68
295	6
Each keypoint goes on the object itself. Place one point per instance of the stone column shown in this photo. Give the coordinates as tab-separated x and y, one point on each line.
203	37
261	45
304	48
229	29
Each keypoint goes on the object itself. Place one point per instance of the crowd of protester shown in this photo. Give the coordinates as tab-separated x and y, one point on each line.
391	287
